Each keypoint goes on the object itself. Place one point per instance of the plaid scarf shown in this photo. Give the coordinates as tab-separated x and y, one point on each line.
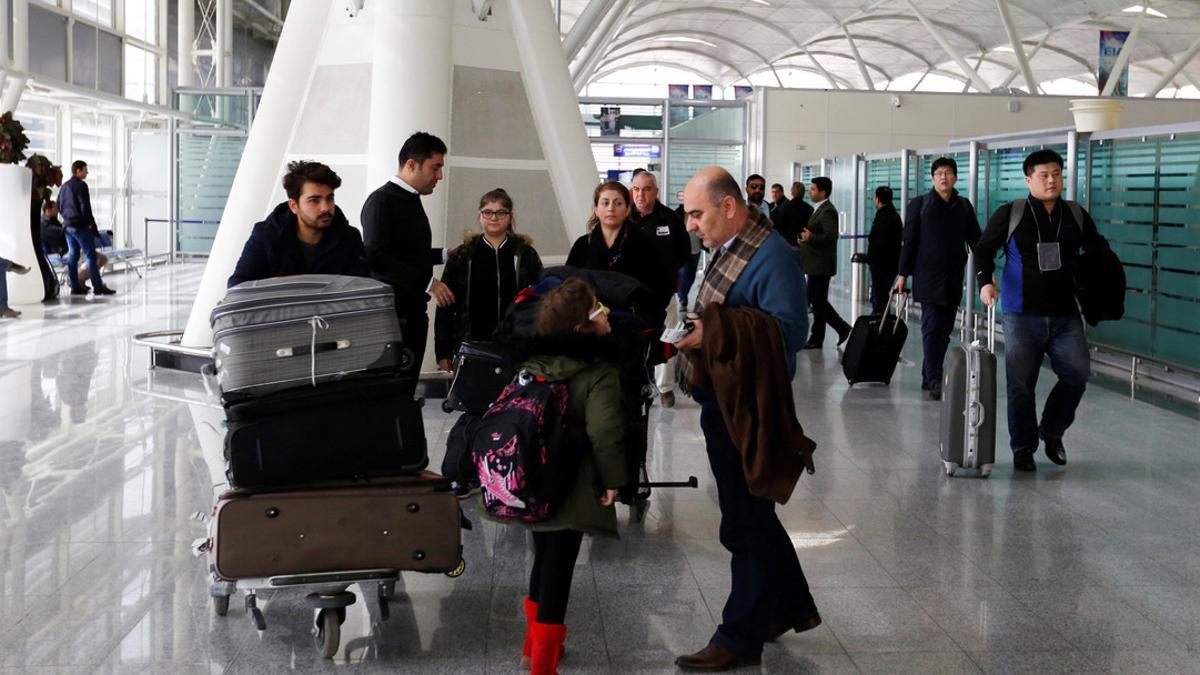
720	276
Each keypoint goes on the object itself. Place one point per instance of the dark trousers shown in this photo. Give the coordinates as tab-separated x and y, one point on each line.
882	281
414	329
554	555
937	322
687	276
768	583
82	240
823	312
1027	339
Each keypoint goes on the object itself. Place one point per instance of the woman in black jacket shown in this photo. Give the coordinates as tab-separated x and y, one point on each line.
613	244
485	274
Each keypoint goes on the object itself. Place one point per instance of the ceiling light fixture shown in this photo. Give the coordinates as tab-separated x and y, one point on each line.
761	2
1150	11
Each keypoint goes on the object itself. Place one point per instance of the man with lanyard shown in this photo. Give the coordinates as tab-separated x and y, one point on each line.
1041	236
752	268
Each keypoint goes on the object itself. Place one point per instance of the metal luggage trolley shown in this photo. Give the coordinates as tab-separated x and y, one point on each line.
328	596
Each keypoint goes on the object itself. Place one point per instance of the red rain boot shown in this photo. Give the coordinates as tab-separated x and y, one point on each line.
530	617
547	645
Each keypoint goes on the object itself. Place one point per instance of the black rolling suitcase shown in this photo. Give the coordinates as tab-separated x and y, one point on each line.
364	427
968	419
481	371
874	346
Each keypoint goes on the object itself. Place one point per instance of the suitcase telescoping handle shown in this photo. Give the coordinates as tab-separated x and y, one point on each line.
901	299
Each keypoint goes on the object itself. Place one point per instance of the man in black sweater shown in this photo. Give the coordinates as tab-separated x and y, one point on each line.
307	234
1041	236
399	242
672	249
883	249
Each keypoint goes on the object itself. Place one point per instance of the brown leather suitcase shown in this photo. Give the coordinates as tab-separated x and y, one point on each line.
401	523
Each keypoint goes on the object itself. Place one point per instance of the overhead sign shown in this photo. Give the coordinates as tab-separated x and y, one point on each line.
636	150
1111	43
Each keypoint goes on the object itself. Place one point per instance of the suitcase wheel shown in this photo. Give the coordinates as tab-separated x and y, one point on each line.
458	570
985	471
949	468
220	604
327	632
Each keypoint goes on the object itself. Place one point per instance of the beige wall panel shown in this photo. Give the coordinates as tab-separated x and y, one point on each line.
490	116
534	205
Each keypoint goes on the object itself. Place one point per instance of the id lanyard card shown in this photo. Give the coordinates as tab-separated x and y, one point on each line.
1048	252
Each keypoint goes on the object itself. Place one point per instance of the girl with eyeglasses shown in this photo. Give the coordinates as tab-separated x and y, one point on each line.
485	274
570	345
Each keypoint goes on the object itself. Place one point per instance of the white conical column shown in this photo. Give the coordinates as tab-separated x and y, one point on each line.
555	109
258	172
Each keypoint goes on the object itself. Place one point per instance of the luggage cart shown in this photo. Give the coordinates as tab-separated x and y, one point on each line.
328	596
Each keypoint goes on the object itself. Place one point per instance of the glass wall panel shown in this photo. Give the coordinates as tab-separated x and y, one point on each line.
93	141
206	167
880	172
41	126
708	123
1146	200
217	110
686	160
141	20
141	74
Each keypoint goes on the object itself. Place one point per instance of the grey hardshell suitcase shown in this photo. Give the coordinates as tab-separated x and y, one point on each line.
968	420
275	334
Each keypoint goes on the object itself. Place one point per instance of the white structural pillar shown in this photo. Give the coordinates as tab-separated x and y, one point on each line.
266	146
1018	49
973	172
583	27
953	53
411	67
1071	183
19	19
598	47
186	39
555	107
1179	64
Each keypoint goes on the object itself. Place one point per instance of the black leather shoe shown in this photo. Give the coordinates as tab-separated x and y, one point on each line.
1055	451
935	393
777	630
1023	460
104	290
79	291
811	345
843	336
714	658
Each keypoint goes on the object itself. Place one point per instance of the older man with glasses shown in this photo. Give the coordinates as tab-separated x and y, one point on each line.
939	227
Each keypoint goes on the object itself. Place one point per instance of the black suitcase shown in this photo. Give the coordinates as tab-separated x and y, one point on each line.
874	346
358	428
481	371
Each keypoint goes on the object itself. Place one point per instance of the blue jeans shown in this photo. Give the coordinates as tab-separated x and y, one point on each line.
82	239
5	264
768	584
1027	339
687	276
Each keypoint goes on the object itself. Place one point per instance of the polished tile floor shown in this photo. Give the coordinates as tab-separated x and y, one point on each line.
1090	568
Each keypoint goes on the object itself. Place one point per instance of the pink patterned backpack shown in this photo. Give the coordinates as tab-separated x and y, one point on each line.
519	453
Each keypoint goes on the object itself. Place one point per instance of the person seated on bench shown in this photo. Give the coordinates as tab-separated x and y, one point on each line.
53	236
307	234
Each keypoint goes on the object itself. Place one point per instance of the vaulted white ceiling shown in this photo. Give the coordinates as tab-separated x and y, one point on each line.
865	44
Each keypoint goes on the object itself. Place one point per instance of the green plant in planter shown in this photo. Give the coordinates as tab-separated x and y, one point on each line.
13	140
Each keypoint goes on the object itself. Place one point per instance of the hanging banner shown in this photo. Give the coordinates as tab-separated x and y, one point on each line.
677	92
740	91
1111	42
610	121
702	92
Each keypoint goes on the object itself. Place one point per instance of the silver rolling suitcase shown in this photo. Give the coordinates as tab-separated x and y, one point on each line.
968	423
275	334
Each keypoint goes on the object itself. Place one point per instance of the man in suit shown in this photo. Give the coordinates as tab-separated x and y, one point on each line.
777	198
939	227
791	218
399	242
818	249
883	249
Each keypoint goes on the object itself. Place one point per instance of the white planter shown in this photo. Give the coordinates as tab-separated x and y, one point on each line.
1096	114
16	237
